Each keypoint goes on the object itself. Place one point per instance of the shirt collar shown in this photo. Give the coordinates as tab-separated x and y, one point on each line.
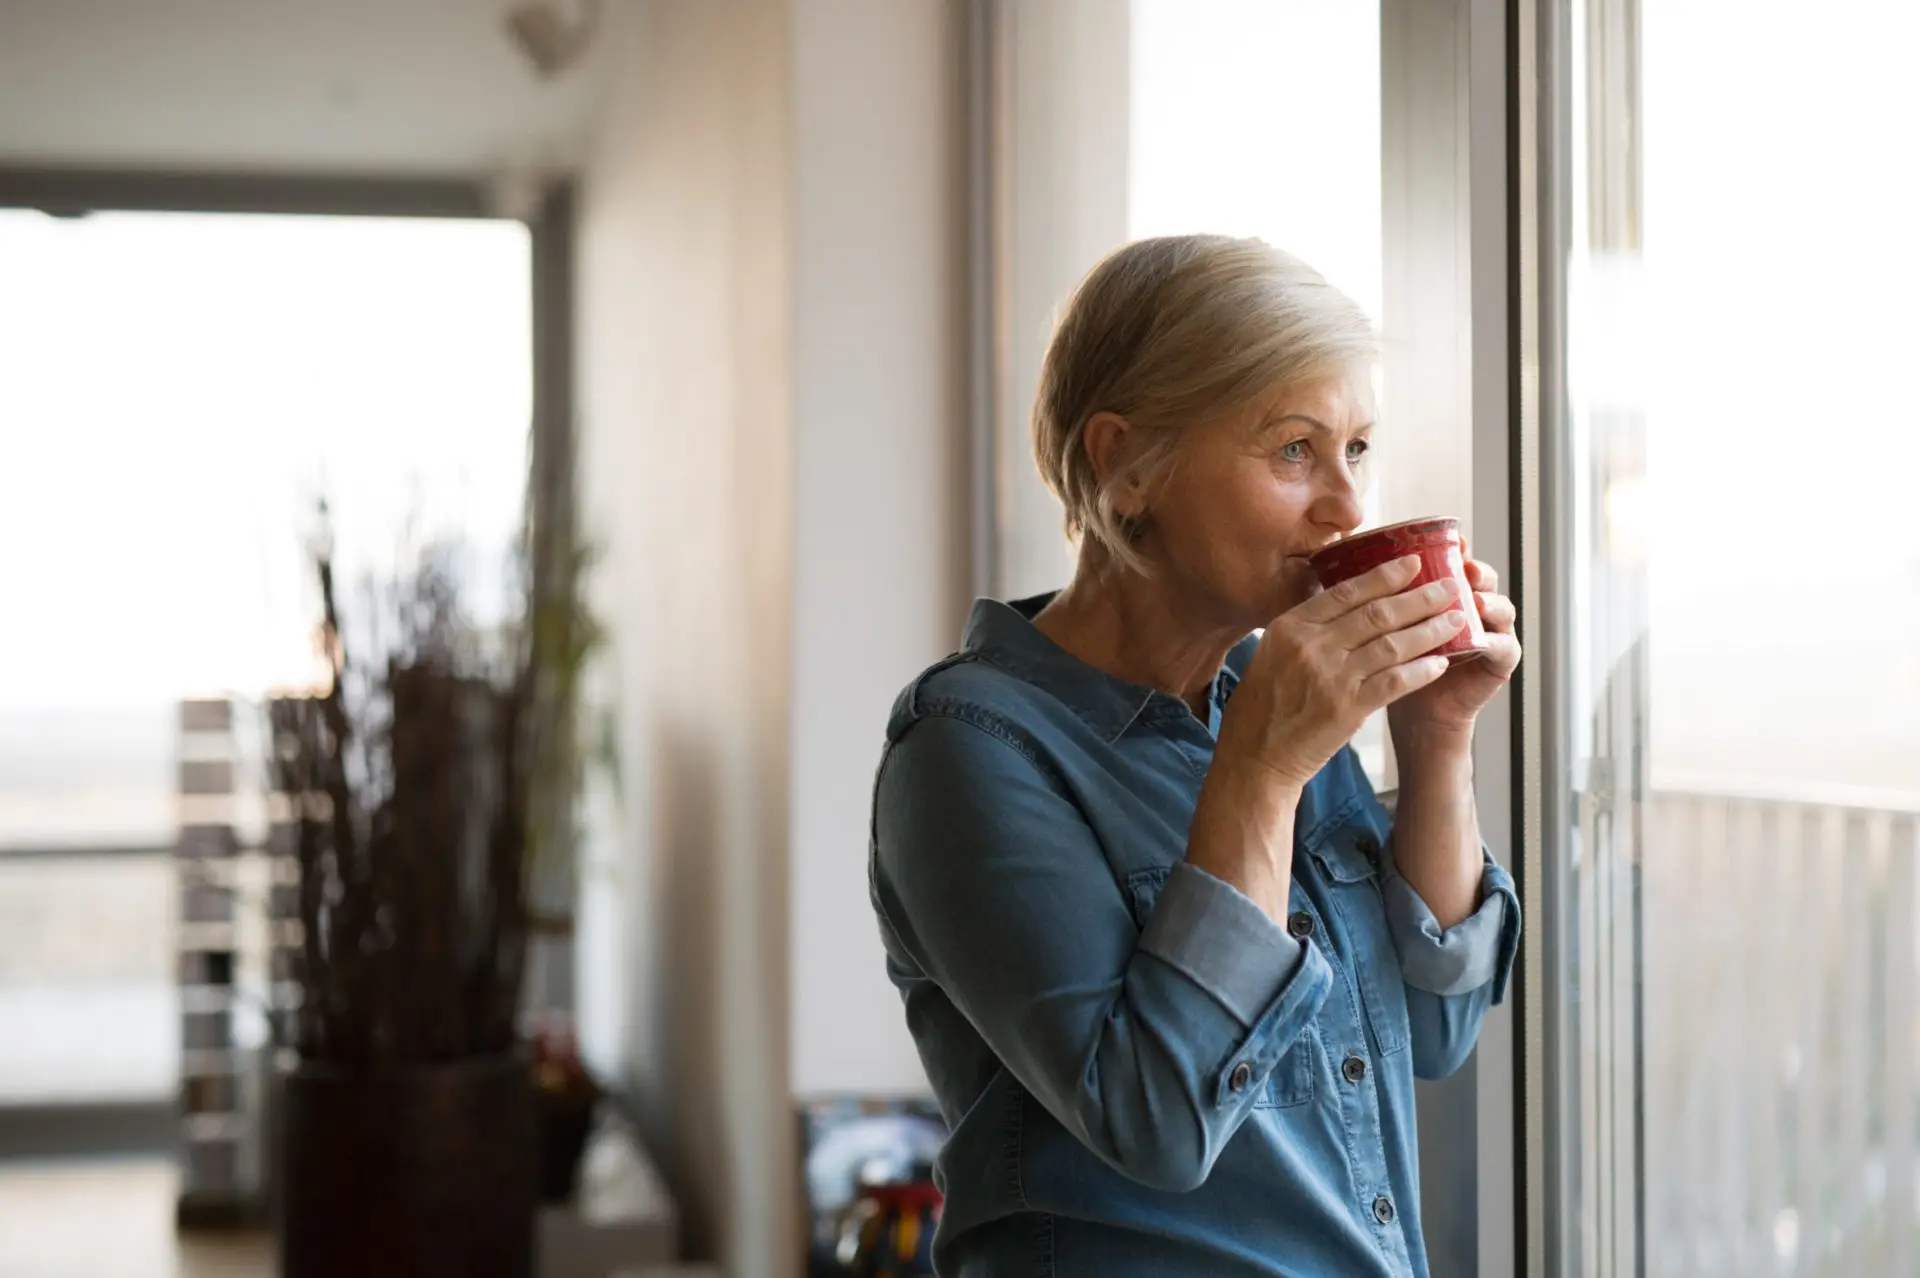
1004	634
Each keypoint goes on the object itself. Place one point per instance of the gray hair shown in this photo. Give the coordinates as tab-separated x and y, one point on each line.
1169	332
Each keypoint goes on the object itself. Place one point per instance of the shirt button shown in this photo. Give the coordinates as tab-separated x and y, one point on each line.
1300	925
1353	1069
1368	846
1241	1076
1383	1209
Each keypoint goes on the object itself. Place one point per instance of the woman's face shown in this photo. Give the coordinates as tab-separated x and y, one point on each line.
1251	494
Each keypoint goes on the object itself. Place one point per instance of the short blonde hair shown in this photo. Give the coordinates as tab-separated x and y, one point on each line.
1173	331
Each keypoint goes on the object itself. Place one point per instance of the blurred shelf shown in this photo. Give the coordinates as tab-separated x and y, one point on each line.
202	1062
621	1219
202	937
204	1128
207	998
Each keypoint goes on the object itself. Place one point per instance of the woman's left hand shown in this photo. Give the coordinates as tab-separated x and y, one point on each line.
1449	705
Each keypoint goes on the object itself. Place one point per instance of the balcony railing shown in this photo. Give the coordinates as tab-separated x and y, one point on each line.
87	993
1779	952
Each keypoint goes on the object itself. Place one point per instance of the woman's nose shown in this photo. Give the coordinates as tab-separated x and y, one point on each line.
1339	507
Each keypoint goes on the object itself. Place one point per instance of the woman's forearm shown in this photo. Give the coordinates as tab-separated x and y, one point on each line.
1242	833
1436	832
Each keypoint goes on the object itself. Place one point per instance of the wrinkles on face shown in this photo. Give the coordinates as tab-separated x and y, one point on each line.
1257	491
1227	528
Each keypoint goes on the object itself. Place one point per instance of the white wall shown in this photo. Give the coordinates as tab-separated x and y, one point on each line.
880	478
685	389
773	423
1067	124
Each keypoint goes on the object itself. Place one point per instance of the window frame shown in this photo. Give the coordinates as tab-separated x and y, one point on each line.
1464	154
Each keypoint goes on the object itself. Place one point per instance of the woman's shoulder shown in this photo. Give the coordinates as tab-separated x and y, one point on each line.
965	738
971	688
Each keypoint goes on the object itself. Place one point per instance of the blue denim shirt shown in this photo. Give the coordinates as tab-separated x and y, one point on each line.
1143	1073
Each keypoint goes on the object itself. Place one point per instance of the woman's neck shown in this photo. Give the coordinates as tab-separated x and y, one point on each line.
1137	629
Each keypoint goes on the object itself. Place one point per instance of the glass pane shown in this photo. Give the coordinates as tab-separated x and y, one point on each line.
1602	431
86	945
1782	833
1215	147
1744	586
175	393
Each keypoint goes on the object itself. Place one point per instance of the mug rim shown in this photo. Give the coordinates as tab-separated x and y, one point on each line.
1435	522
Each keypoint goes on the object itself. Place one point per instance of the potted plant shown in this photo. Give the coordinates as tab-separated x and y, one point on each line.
407	1126
565	635
565	1098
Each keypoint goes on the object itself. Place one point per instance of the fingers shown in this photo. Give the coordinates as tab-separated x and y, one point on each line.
1396	612
1388	579
1395	682
1402	646
1497	612
1481	576
1503	654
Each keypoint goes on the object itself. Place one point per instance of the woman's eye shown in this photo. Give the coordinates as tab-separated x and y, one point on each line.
1294	452
1357	449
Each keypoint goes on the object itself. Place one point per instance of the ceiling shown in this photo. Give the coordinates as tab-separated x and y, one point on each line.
423	88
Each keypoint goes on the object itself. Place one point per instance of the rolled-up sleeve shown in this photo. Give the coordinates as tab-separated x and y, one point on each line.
1476	951
1149	1044
1454	974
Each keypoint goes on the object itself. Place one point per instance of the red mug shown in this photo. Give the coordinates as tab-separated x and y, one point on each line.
1437	541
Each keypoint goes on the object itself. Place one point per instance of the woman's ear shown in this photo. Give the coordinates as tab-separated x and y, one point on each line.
1105	440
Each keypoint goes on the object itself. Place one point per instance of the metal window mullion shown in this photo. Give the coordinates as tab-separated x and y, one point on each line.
1545	814
1447	227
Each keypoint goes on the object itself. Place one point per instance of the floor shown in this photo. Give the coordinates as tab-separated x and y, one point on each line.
110	1219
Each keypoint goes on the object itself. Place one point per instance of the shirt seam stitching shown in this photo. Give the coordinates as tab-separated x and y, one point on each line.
1002	730
920	682
1369	995
1016	1132
1101	723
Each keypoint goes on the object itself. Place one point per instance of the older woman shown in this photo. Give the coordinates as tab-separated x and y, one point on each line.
1171	966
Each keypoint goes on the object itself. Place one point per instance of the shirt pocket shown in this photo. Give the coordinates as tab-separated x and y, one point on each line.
1291	1082
1348	857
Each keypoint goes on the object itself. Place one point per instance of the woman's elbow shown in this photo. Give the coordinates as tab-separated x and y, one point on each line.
1173	1156
1434	1061
1445	1031
1167	1170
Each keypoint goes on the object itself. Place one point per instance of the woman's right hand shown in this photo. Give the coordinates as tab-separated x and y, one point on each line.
1324	666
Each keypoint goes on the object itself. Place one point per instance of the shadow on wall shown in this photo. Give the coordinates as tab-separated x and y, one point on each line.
684	1114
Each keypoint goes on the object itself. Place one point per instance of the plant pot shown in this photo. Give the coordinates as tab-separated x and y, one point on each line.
565	1124
410	1173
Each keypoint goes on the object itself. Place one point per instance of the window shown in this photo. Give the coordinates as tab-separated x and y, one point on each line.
1740	1050
1262	118
1243	117
1371	141
175	392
